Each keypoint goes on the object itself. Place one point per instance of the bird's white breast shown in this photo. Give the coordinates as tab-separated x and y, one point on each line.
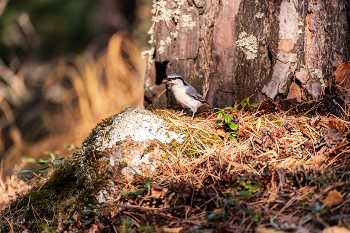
184	99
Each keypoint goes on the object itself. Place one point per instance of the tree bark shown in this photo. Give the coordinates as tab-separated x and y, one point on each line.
231	49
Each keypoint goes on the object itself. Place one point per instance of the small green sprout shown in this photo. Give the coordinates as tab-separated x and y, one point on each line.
69	146
224	117
227	120
244	193
147	186
50	163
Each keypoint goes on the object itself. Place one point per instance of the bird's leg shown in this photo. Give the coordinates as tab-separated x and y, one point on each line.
193	115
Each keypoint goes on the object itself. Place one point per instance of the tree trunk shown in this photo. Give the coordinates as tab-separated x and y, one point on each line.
231	49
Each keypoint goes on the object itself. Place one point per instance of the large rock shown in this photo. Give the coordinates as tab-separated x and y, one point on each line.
124	138
115	150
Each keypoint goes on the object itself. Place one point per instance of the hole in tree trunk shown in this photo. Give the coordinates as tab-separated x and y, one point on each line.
160	71
270	54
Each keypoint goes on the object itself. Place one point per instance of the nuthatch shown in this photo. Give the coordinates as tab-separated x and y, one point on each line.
184	93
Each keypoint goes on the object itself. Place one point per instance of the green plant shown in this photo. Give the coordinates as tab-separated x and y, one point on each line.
254	215
246	102
125	226
215	216
50	162
69	146
247	192
224	117
147	187
45	228
318	180
26	173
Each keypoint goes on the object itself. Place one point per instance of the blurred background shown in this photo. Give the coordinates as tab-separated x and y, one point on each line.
64	66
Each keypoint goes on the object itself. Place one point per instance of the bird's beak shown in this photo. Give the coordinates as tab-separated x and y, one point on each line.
165	81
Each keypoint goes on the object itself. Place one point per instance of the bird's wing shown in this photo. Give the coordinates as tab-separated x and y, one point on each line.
191	91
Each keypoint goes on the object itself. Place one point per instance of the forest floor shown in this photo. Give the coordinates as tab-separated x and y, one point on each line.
273	170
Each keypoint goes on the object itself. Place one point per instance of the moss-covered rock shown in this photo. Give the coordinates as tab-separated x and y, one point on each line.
117	148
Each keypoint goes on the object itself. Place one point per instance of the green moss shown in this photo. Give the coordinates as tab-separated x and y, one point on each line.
6	228
274	120
118	171
69	186
92	136
280	123
151	147
300	123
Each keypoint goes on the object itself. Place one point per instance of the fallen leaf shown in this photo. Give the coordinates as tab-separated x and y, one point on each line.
319	158
335	229
221	133
267	230
294	92
333	198
342	75
93	229
156	193
172	230
76	216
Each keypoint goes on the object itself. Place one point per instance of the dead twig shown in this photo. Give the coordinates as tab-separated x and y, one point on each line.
142	208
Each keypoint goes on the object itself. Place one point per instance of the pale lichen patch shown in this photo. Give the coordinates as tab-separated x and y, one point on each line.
259	15
187	21
319	75
168	40
137	123
161	12
148	54
161	49
174	34
249	45
148	85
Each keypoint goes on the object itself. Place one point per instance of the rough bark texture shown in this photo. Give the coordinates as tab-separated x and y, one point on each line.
231	49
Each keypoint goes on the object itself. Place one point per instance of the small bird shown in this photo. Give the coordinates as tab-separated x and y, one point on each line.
184	93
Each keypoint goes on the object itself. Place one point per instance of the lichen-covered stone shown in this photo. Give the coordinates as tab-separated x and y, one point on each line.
114	150
140	124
